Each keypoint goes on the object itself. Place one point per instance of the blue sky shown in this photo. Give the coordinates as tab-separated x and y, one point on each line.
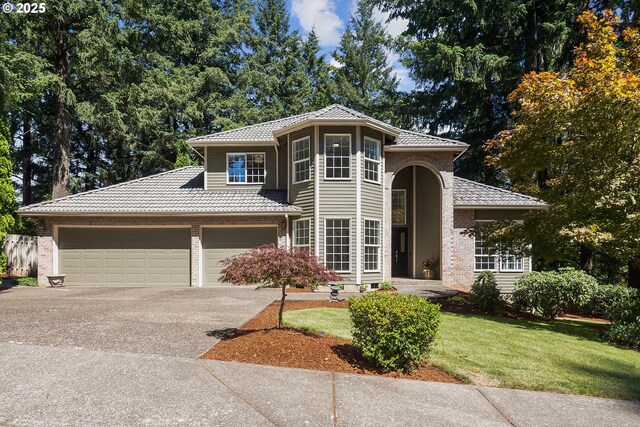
330	18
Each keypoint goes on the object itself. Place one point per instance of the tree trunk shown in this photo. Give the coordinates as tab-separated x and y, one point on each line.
27	154
284	295
634	272
586	259
63	118
531	39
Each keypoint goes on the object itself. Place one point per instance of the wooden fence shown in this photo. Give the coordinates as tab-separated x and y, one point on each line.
22	255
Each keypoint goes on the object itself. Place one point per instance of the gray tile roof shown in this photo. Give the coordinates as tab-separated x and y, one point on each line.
263	132
471	193
179	191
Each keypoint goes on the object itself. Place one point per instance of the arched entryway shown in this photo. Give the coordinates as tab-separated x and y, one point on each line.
416	221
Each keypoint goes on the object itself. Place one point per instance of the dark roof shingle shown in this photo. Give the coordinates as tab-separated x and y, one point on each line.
471	193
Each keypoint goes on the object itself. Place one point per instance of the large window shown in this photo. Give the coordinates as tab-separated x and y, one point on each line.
399	207
337	244
337	152
371	245
301	236
371	160
301	159
246	168
487	259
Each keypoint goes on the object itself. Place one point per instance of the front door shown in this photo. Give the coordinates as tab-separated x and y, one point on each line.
399	253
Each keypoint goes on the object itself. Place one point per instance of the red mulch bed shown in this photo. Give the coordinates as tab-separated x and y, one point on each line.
258	341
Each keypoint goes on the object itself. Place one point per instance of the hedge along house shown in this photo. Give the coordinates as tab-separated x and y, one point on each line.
370	200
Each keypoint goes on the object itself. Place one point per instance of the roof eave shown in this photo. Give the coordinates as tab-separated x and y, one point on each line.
498	206
389	130
213	143
155	214
448	147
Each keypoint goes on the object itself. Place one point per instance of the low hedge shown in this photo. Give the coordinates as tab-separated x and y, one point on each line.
606	297
625	323
392	330
25	281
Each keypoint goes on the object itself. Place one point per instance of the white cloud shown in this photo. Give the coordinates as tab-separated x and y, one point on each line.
335	63
395	26
405	82
322	15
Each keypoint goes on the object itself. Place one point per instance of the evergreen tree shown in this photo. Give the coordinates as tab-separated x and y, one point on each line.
365	81
321	89
7	194
182	157
273	74
466	57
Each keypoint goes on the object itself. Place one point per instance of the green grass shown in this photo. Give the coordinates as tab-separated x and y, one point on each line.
560	356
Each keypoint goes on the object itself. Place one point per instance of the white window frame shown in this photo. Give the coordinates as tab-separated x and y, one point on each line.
366	245
404	191
350	242
295	237
264	177
295	163
376	162
497	259
325	157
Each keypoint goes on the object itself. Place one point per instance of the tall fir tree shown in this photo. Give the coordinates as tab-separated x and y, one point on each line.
365	80
321	89
272	75
466	57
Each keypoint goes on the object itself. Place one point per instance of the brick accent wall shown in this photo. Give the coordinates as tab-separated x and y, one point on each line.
463	249
46	243
441	164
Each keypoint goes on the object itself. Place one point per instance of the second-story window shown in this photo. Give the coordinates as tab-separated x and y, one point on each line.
301	159
371	160
337	151
246	168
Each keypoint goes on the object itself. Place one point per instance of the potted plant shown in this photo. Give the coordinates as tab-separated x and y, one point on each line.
428	270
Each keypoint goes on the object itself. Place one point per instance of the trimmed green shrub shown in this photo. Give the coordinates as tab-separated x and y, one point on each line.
485	293
392	330
606	297
549	293
3	261
625	323
385	286
25	281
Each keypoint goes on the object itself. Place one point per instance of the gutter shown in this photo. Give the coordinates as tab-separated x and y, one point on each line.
519	207
155	214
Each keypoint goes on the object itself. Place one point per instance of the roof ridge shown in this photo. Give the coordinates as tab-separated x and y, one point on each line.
249	126
120	184
498	188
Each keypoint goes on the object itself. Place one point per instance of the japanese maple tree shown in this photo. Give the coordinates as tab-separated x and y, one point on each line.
268	266
575	143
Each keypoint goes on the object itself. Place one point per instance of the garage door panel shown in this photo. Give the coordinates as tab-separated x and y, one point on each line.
221	243
124	257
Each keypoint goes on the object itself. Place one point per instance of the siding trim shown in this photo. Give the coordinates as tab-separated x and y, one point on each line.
383	225
358	207
414	234
201	261
316	189
288	169
206	167
55	250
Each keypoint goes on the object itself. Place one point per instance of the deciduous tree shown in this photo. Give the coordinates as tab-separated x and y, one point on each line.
268	266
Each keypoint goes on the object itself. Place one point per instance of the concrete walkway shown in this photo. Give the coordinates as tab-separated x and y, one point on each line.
58	386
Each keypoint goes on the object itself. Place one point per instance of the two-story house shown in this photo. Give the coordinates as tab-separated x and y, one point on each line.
370	200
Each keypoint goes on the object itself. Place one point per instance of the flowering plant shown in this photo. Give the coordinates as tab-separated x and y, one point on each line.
427	265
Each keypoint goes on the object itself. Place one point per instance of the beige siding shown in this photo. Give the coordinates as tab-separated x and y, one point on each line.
507	280
222	242
124	257
302	194
338	197
217	167
373	204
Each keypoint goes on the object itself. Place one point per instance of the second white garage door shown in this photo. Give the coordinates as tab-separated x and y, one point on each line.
220	243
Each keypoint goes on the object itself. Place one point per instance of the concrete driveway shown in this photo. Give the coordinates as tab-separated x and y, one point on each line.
172	322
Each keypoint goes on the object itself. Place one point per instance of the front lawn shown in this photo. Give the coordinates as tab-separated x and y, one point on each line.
560	356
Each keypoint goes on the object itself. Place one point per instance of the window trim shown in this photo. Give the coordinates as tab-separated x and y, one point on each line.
404	191
350	242
365	245
293	240
226	168
367	159
497	258
324	153
295	162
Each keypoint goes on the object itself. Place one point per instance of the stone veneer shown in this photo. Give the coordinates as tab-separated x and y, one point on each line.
46	242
